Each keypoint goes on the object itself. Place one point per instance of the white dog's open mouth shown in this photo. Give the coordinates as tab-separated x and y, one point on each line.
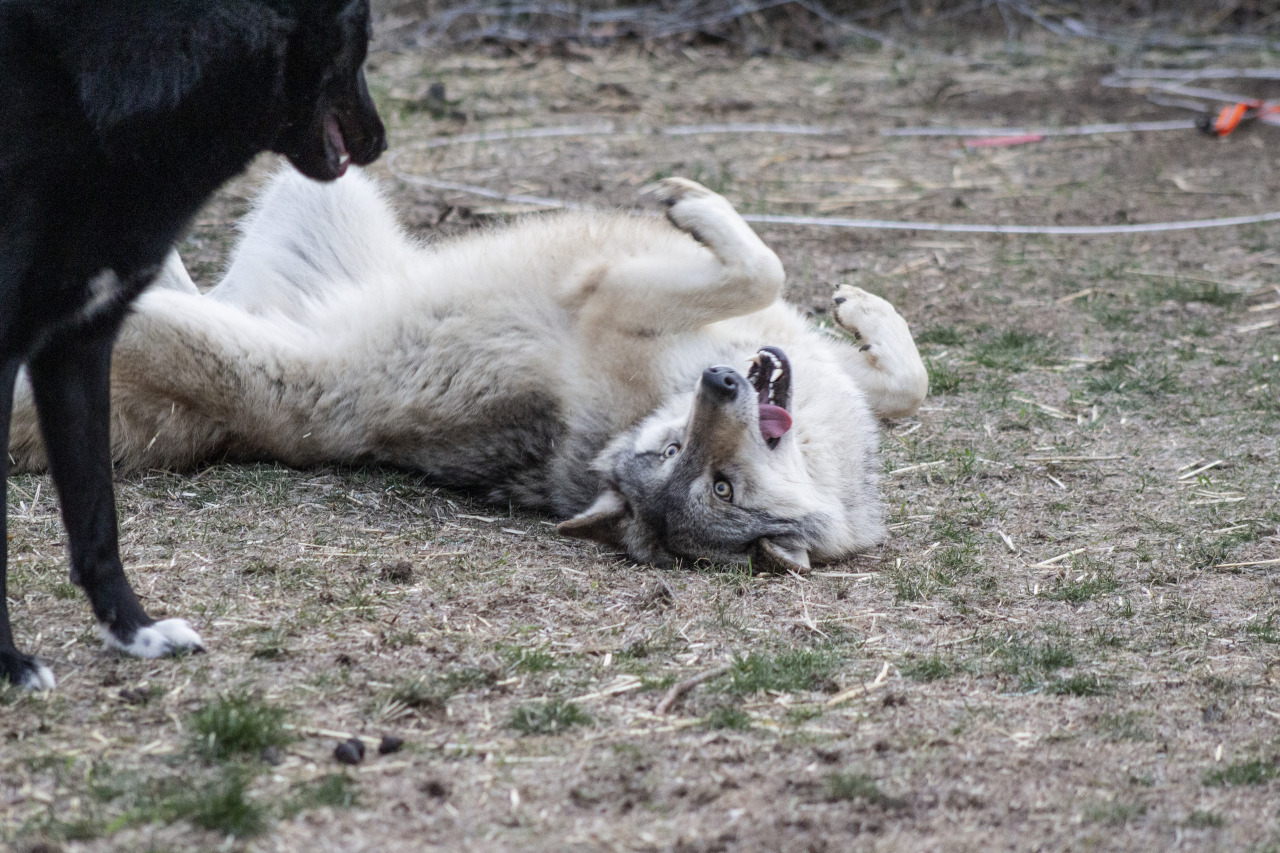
770	375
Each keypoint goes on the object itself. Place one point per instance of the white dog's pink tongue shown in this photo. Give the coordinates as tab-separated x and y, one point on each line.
774	421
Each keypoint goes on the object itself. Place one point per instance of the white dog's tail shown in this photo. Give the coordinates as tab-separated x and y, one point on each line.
305	240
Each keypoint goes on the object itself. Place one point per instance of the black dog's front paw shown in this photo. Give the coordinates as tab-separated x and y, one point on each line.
25	671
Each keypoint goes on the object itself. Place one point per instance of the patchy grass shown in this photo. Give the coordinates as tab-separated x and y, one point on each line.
221	806
1202	819
238	725
1080	387
787	672
548	718
727	717
1255	771
334	790
930	668
853	786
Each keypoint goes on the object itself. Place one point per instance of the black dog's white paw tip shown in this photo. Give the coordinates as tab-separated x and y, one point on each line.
167	637
39	677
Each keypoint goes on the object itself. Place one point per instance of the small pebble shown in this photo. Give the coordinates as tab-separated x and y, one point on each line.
350	751
435	788
390	744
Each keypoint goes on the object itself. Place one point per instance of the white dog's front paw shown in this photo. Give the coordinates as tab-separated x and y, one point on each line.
871	320
693	208
887	365
163	638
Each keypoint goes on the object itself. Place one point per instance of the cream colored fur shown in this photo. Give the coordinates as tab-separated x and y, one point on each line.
544	346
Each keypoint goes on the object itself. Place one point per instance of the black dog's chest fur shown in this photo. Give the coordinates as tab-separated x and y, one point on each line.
74	171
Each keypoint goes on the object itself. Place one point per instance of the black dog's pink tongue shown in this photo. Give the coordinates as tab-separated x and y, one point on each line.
774	421
333	133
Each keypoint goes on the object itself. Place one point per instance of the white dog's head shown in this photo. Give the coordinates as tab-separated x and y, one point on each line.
756	467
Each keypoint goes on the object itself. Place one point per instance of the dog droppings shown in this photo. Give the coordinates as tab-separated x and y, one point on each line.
350	751
400	571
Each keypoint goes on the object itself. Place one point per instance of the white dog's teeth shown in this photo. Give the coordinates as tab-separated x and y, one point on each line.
776	375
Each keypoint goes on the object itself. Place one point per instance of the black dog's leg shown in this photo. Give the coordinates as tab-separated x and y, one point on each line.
70	378
17	668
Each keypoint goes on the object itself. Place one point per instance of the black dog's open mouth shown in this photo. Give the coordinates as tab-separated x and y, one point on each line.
335	145
770	375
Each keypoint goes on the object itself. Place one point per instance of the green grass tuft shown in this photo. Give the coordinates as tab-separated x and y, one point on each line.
1205	820
727	717
236	725
1081	684
801	669
336	790
1013	349
529	660
548	718
943	379
1255	772
220	806
1077	590
947	336
1114	813
858	786
930	668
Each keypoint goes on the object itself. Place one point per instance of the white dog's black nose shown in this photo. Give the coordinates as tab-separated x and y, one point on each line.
721	382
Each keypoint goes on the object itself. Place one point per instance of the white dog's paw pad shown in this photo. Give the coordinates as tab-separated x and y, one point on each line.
163	638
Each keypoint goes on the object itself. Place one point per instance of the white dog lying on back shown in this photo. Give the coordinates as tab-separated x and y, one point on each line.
645	382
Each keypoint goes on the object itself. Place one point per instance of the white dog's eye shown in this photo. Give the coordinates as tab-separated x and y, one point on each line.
670	450
723	490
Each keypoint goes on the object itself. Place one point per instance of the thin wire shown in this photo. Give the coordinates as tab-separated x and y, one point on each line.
1079	130
771	219
1056	230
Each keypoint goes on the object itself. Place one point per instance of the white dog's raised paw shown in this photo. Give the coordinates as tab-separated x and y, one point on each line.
672	190
870	319
706	216
162	638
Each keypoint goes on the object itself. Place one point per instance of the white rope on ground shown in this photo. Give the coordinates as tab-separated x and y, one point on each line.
1056	230
1079	130
771	219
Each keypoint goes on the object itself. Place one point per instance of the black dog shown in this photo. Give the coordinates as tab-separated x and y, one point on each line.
118	119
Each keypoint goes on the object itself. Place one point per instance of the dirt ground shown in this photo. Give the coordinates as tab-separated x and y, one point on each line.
1070	640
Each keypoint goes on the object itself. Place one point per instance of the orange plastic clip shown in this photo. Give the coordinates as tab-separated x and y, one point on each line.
1229	119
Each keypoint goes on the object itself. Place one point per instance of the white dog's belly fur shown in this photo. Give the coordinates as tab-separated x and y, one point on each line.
505	361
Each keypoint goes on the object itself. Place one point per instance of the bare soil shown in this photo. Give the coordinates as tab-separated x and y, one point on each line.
1070	640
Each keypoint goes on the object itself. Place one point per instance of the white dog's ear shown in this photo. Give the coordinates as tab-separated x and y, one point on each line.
783	558
604	521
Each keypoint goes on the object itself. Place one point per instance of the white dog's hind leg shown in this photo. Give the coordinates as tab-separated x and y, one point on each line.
157	640
884	361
